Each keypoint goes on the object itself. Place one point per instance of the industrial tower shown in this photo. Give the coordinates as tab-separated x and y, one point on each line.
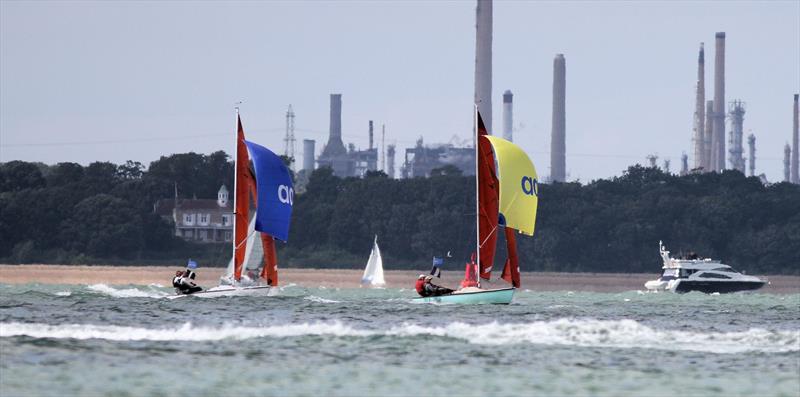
700	160
795	162
558	144
718	141
483	62
289	139
508	116
751	143
736	151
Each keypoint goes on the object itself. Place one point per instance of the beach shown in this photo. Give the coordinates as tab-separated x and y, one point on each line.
338	278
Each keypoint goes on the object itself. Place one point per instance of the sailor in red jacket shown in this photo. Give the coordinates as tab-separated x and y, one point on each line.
425	288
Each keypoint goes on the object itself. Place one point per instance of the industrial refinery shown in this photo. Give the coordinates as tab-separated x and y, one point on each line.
718	134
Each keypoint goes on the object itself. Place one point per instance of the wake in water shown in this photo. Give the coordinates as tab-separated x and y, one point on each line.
566	332
152	291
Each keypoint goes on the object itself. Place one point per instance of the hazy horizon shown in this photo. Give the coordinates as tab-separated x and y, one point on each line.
117	81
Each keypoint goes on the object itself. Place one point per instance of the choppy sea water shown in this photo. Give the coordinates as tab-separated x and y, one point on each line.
130	340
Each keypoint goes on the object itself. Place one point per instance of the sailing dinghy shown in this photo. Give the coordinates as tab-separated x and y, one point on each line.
506	198
253	268
373	273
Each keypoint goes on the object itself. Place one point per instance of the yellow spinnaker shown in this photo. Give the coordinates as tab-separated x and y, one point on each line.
519	186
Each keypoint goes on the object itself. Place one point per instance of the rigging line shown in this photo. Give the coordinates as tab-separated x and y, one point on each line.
244	241
488	235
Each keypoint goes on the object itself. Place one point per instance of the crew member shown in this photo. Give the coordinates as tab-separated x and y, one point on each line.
420	285
183	282
425	287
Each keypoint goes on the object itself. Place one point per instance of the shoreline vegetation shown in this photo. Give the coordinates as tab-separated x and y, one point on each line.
104	213
340	278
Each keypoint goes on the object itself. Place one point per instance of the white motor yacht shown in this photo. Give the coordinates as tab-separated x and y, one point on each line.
704	275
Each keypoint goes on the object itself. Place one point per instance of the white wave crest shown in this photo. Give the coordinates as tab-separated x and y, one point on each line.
563	332
127	292
186	332
63	293
319	300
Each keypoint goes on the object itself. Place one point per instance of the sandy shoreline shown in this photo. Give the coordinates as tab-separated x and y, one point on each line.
337	278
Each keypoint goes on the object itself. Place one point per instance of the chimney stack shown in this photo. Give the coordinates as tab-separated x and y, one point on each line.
508	116
335	137
558	146
719	102
795	147
308	155
684	164
751	143
370	135
390	160
787	154
483	62
708	156
699	112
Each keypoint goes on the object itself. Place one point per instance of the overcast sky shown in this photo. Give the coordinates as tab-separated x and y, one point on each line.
116	81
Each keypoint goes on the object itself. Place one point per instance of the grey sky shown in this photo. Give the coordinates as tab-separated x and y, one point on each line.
137	80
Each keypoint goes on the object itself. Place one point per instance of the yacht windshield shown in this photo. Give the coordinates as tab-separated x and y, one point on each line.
670	273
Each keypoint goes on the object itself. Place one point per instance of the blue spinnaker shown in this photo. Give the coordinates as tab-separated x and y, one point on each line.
275	192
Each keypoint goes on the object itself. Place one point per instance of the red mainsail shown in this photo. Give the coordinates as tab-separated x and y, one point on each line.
244	184
488	194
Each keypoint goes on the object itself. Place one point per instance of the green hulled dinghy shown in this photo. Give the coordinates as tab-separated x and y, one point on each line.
473	296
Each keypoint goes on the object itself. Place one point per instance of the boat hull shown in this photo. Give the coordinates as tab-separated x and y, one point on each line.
226	290
722	287
501	296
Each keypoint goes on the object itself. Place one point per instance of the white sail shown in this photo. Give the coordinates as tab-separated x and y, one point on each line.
253	258
373	273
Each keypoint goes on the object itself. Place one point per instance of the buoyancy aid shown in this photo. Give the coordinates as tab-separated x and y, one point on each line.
420	287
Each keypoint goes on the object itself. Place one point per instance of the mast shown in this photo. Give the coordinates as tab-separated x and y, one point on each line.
477	205
235	164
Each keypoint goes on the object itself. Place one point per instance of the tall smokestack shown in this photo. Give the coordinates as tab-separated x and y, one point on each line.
483	61
795	146
335	136
558	146
787	154
736	159
508	116
390	160
709	155
751	143
308	154
699	112
370	135
719	102
684	164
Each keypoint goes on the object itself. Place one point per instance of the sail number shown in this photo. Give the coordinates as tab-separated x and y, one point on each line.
530	186
286	194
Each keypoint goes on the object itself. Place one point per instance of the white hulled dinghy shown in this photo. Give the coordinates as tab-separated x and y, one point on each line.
253	268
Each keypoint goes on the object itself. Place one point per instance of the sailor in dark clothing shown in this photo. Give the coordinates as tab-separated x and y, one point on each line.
426	288
183	282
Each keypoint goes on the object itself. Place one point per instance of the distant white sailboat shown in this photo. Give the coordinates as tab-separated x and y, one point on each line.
373	273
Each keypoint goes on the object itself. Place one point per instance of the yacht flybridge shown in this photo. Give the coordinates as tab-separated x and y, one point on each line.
704	275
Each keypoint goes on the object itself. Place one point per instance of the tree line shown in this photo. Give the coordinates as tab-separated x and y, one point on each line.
103	213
